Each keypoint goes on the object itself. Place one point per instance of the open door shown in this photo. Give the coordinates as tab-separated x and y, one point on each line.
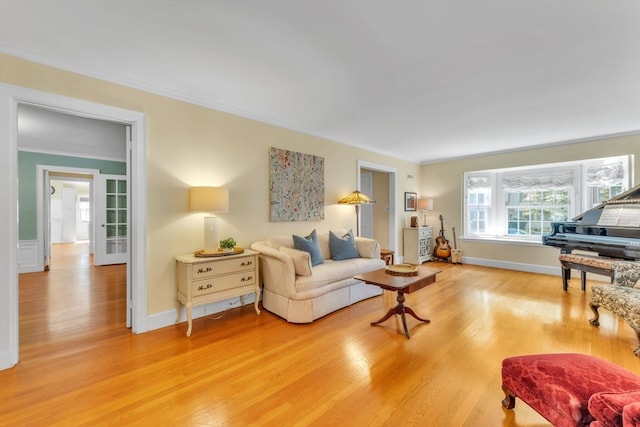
46	208
366	210
111	219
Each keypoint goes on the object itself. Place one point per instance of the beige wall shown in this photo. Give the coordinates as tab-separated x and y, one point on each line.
189	145
380	209
443	182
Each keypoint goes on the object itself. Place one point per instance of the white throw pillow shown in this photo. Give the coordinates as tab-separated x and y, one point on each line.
301	260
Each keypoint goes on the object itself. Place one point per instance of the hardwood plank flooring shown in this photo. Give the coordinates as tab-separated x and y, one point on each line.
80	365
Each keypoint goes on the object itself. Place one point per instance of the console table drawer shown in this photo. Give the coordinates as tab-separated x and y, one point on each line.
214	268
220	283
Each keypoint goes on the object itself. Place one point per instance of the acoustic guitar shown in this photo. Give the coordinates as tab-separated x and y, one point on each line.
456	254
442	249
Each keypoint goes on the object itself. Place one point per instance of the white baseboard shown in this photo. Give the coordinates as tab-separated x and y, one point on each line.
530	268
518	266
168	318
7	360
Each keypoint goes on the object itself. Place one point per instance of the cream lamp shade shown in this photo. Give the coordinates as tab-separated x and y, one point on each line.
211	200
425	205
356	198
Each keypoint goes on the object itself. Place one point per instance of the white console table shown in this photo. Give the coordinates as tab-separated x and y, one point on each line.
210	279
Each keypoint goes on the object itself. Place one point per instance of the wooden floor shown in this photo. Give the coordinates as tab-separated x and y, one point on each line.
80	365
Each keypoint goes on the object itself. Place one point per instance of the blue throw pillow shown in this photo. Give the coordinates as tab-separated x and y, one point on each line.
342	247
309	244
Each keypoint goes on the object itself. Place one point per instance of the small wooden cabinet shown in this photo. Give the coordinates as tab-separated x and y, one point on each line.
417	244
205	280
387	256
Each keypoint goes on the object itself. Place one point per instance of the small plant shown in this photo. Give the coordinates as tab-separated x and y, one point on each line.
228	243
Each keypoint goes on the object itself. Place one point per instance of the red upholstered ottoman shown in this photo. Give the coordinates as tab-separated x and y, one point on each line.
558	386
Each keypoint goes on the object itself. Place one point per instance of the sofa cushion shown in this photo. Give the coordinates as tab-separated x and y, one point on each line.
284	240
607	407
342	246
309	244
335	271
301	260
367	248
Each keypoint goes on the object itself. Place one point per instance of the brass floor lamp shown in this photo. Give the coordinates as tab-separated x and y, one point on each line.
356	198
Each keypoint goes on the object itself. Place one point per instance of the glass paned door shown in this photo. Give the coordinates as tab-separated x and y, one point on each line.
111	220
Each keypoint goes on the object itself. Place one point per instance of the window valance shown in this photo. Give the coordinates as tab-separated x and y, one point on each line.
475	183
545	181
605	175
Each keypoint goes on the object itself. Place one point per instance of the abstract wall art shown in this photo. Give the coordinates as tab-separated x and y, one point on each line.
297	186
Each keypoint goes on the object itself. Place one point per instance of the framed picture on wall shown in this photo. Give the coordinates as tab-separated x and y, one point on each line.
410	201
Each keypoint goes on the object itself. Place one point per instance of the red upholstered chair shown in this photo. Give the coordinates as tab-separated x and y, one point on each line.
571	389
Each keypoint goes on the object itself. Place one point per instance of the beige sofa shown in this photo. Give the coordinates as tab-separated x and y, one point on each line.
300	293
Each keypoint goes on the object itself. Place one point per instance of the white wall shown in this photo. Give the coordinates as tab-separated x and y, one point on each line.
48	131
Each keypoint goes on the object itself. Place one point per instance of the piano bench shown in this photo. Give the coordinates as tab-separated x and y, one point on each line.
585	263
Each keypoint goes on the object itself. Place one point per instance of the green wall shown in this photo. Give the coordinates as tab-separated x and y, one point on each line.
27	179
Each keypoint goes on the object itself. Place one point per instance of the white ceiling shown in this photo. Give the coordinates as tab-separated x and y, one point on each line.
421	80
53	132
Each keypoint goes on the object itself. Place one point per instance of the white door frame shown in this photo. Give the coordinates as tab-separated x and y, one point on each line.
44	240
10	97
393	219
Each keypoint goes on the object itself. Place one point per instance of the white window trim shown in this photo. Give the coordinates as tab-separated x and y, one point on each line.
579	202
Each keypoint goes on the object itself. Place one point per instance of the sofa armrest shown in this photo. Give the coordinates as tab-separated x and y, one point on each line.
626	273
276	270
368	248
607	407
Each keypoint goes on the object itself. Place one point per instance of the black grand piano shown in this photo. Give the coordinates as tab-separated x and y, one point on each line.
610	230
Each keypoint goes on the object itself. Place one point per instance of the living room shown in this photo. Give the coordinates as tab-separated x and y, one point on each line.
189	145
233	152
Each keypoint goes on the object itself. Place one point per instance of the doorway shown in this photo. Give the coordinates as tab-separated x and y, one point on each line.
67	197
10	98
379	220
70	212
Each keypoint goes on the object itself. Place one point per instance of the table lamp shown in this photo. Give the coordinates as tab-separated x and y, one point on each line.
425	205
211	200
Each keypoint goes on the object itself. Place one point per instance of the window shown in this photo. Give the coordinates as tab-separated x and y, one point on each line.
478	203
84	207
530	213
522	203
605	181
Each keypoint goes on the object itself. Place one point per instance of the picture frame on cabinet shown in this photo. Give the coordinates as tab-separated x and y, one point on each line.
410	201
